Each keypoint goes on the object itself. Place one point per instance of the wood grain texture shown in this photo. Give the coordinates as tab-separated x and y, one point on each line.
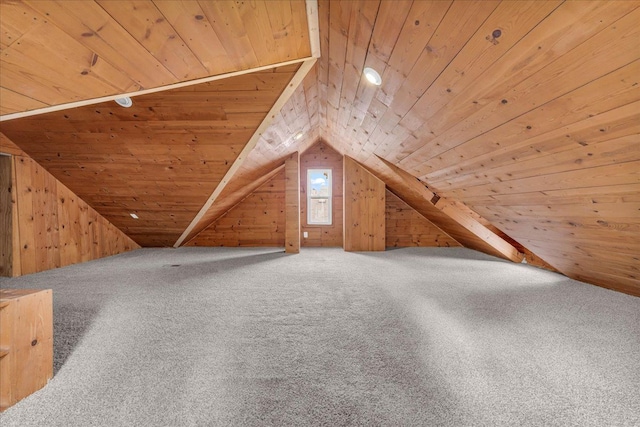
301	72
8	147
502	106
26	343
292	203
458	223
53	226
60	52
494	105
258	220
6	216
159	159
364	209
272	148
405	227
322	156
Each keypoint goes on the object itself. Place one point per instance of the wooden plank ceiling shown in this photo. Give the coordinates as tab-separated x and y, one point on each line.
160	158
528	112
57	52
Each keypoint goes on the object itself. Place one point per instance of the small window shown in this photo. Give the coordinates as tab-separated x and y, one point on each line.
319	186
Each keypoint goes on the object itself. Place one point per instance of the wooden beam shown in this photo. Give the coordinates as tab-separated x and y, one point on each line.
489	241
314	27
284	97
292	204
92	101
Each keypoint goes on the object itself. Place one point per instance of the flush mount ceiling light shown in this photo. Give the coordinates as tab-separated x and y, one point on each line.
125	102
134	216
373	76
298	135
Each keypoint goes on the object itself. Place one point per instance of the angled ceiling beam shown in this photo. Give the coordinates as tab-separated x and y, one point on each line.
314	41
92	101
478	236
314	27
284	97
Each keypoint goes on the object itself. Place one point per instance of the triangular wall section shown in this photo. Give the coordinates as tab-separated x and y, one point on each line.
258	220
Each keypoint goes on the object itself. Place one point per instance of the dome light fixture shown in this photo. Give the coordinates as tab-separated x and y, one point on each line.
134	216
298	135
373	76
125	102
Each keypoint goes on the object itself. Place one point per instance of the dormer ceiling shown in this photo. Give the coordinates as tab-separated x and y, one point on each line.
527	112
59	52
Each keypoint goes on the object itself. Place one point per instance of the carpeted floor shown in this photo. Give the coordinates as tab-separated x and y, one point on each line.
409	337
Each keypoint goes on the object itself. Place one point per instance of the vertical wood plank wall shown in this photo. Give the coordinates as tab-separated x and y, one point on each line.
405	227
364	209
292	204
52	227
258	220
6	232
321	155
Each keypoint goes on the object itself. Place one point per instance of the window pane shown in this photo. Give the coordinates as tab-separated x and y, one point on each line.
319	212
319	183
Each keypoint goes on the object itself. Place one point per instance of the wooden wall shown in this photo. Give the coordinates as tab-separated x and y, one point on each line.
6	220
321	155
405	227
258	220
292	203
52	227
364	209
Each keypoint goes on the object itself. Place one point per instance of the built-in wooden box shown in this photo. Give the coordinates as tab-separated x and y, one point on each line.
26	343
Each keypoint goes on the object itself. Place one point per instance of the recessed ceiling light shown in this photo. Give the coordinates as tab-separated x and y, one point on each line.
373	76
125	102
134	216
298	135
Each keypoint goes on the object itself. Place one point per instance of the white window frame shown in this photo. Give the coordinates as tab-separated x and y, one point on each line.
328	198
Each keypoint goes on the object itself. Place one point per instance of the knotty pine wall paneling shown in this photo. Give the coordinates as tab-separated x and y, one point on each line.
258	220
52	227
364	209
405	227
6	220
321	155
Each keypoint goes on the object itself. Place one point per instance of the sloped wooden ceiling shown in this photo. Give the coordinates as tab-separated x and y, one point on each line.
294	128
57	52
159	159
528	112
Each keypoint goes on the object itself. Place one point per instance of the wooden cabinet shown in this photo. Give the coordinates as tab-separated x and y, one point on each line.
26	343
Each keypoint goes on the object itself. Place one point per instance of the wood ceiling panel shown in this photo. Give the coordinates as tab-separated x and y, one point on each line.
8	147
525	111
116	161
599	104
56	52
616	45
299	114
